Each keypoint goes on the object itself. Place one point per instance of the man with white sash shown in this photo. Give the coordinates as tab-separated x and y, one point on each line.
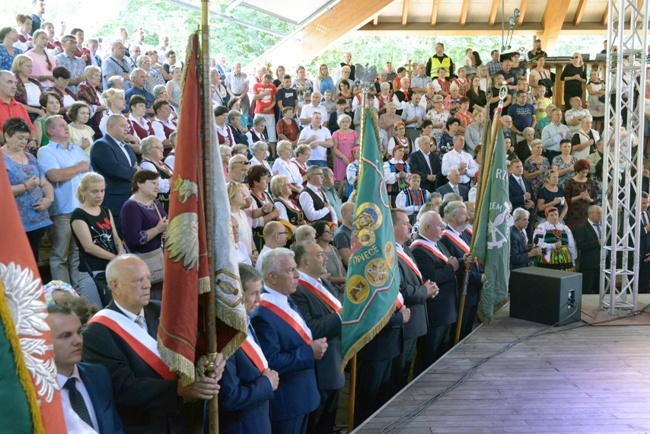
122	337
288	344
322	311
247	384
436	264
415	291
457	241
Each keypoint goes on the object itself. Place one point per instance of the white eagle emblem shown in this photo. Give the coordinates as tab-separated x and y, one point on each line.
23	293
498	238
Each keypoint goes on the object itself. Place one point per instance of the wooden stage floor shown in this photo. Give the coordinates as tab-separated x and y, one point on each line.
577	378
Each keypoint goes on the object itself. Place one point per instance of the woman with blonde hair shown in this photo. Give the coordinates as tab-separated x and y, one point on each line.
152	152
42	62
283	166
237	199
89	91
324	81
115	103
289	210
28	89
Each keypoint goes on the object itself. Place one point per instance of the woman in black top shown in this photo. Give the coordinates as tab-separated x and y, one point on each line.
574	77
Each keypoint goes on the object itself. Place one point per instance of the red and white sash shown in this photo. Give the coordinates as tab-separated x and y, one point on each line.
406	258
456	239
254	352
139	340
319	291
288	315
433	249
469	230
399	303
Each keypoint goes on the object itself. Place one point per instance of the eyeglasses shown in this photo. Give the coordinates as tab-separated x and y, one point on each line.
245	163
317	174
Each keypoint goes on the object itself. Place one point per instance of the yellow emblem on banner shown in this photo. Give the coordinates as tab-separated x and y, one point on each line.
377	272
357	289
389	254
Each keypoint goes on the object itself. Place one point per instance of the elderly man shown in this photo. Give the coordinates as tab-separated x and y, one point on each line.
553	134
86	390
316	299
64	165
116	65
436	264
313	201
307	113
112	158
71	62
415	291
403	94
122	337
454	185
457	241
275	236
9	107
139	79
520	255
589	239
343	235
419	82
318	138
237	85
247	384
460	160
288	344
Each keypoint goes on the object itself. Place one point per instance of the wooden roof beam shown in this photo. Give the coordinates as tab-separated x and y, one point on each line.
405	12
577	18
603	20
434	12
375	21
493	12
463	13
552	22
522	12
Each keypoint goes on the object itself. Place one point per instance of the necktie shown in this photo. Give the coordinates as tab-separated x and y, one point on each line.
77	401
140	321
455	188
251	332
600	233
292	304
521	184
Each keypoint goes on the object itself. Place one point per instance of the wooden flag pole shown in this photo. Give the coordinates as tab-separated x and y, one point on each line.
353	392
209	298
485	170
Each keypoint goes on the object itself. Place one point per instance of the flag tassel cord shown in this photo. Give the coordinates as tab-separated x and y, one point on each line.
488	155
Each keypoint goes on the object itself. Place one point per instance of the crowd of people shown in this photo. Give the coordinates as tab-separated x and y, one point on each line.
88	139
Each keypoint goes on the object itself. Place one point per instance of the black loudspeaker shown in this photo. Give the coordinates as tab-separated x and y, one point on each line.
545	296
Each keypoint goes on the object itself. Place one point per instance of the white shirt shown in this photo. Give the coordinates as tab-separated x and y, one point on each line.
264	251
288	169
307	205
319	153
73	422
452	160
410	111
551	137
309	109
282	301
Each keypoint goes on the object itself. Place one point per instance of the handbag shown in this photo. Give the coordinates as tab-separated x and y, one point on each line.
155	259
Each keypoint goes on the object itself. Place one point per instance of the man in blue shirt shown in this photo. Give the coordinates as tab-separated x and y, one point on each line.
64	165
138	79
522	114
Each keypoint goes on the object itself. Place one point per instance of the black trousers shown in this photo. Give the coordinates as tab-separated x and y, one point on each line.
402	365
373	387
431	347
323	419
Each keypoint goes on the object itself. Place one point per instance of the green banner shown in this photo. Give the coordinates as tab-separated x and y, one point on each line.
372	284
492	243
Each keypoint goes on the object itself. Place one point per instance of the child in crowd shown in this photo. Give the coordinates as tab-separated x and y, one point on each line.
328	103
412	198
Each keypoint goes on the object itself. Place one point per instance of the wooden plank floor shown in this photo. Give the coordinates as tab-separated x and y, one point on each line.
581	379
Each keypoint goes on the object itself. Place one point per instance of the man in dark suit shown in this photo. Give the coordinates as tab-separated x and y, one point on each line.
122	337
520	192
437	265
86	391
114	159
247	384
454	186
316	299
519	254
416	292
288	344
457	241
588	240
425	163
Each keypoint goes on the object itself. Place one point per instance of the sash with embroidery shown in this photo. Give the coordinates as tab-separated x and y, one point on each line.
254	353
139	340
457	240
430	248
406	258
298	325
323	294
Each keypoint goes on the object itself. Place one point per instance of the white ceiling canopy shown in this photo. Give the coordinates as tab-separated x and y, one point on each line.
298	12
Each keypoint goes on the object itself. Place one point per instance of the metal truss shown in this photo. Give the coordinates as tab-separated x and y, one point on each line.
623	153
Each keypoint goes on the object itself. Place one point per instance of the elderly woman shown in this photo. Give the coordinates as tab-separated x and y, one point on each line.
446	142
283	166
28	90
153	78
52	105
388	120
323	81
303	153
225	134
94	232
160	92
345	139
452	101
157	70
221	95
163	124
288	209
42	62
474	132
237	199
226	153
31	189
235	104
256	134
302	84
260	151
258	182
438	117
336	273
524	148
152	159
583	143
89	91
400	139
396	174
384	96
563	163
115	104
536	166
550	195
287	127
557	243
234	122
580	192
139	125
574	77
80	133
